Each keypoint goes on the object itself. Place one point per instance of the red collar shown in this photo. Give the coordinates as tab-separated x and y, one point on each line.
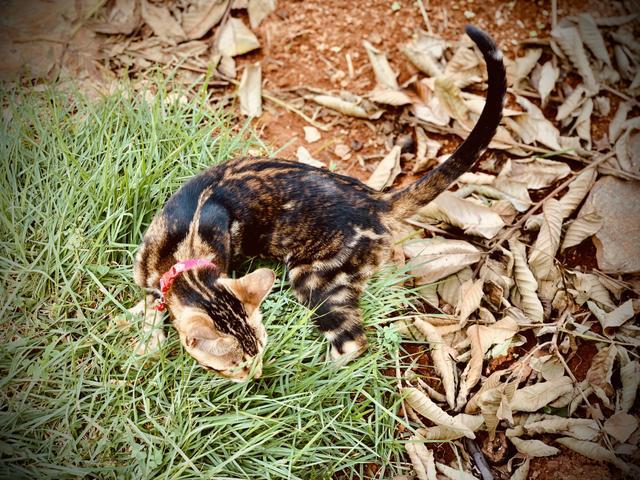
169	277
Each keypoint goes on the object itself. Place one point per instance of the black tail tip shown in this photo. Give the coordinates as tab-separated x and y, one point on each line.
481	38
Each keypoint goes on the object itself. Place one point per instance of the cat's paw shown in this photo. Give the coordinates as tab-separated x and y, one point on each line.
152	344
348	351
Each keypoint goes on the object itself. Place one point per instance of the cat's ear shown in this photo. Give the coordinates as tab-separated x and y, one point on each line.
204	337
253	287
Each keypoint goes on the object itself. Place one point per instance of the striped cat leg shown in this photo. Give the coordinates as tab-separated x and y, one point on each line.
336	312
152	329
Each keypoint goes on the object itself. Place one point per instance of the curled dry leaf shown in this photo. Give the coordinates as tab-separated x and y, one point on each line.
425	407
599	373
235	38
450	97
395	98
583	122
537	126
593	451
250	90
417	462
592	37
620	426
630	378
619	317
534	397
465	66
571	103
385	76
442	360
549	74
588	286
442	433
201	16
482	337
526	284
543	252
160	20
426	150
386	171
580	428
523	65
568	38
453	473
436	258
471	217
582	228
534	448
424	54
536	172
522	472
258	10
346	107
469	298
449	288
305	157
620	117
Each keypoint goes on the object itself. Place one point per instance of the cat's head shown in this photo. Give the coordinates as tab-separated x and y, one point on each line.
219	320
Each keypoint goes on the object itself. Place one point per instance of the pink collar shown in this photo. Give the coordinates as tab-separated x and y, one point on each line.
169	277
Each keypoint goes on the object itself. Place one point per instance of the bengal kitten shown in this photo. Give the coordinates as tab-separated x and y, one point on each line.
331	231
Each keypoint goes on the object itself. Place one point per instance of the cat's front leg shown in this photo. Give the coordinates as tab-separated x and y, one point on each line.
153	335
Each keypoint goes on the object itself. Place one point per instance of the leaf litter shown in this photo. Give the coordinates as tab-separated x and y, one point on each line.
525	286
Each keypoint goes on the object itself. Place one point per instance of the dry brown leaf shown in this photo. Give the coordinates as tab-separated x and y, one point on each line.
593	451
535	172
385	76
123	17
471	217
620	426
568	38
571	103
162	22
526	284
578	189
235	38
465	66
347	107
599	373
436	258
423	53
588	286
426	150
522	472
543	252
200	16
449	288
250	90
618	317
453	473
416	461
258	10
470	296
549	74
537	126
620	117
580	428
425	407
305	157
523	65
534	397
581	228
534	448
441	356
442	433
592	37
450	97
630	378
583	122
386	171
388	96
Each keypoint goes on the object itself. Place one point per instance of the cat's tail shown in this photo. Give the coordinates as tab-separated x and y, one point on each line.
406	201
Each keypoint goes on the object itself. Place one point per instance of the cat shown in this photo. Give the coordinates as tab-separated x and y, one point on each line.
330	230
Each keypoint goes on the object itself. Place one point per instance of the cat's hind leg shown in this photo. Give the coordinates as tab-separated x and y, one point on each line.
336	311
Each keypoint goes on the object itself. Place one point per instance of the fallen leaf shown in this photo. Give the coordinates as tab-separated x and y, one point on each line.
568	38
441	433
549	74
386	171
200	16
311	134
536	173
449	288
533	448
250	90
593	451
425	407
346	107
523	65
422	460
599	373
395	98
615	21
539	128
618	317
161	21
630	378
571	103
450	97
470	296
588	286
471	217
620	426
436	258
385	76
258	10
592	37
426	150
580	428
534	397
454	474
424	51
620	117
235	38
583	122
123	18
305	157
522	472
465	66
543	251
526	284
582	228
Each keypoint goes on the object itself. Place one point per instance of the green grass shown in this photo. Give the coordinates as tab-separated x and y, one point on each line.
80	182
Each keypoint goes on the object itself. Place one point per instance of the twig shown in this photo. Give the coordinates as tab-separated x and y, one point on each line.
620	94
425	15
478	458
554	13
